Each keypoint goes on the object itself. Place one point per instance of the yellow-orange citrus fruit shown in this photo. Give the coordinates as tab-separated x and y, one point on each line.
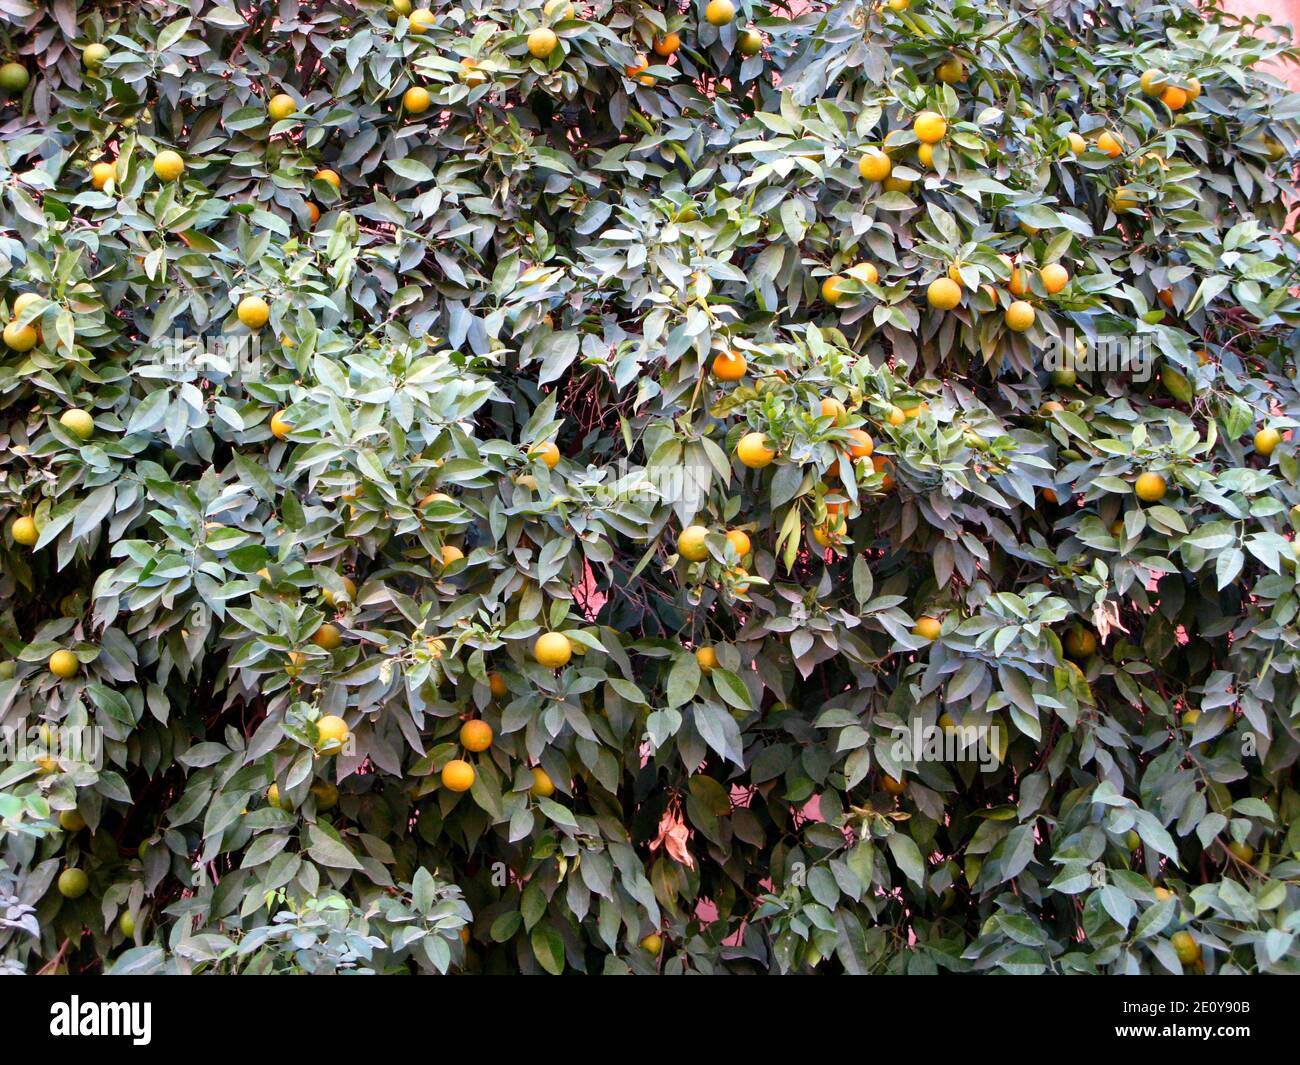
100	175
280	425
542	42
416	100
332	729
729	366
943	294
552	650
476	735
1019	316
281	106
543	786
861	444
458	775
719	12
739	540
547	451
754	452
1151	487
927	628
253	312
64	664
667	44
707	658
1054	277
327	637
832	289
930	127
691	545
168	165
875	165
1266	440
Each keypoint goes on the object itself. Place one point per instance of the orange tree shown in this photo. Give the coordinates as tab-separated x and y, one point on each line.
503	483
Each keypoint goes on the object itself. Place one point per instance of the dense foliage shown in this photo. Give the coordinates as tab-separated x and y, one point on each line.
370	371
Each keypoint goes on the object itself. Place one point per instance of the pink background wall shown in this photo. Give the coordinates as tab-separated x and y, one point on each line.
1283	12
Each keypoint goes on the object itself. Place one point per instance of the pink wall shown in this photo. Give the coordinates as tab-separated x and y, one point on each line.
1282	12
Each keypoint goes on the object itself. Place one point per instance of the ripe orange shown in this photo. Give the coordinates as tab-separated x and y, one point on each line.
450	553
832	289
1110	143
862	445
330	178
416	100
691	545
896	416
547	451
497	685
1019	316
875	165
707	658
476	735
100	175
330	730
1054	277
1174	98
1151	487
729	366
543	786
754	452
281	106
542	42
927	628
832	408
930	127
280	426
894	787
1266	440
552	650
943	294
64	664
328	637
739	540
457	775
719	12
667	44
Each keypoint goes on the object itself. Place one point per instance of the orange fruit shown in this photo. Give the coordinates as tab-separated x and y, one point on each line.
547	451
458	775
832	408
927	628
943	294
739	540
754	452
729	366
327	637
862	445
543	786
332	729
476	735
691	543
707	658
1054	277
832	289
1019	316
552	650
1110	143
894	787
874	165
667	44
1151	487
930	127
1174	98
1266	440
330	178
